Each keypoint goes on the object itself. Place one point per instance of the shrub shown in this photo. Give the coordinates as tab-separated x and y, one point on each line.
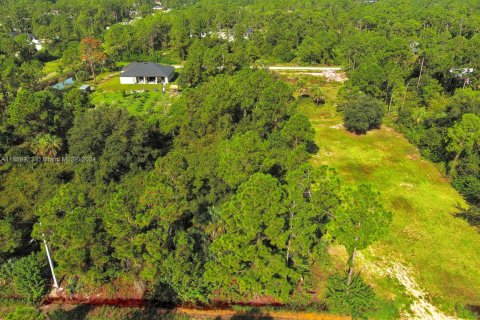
82	76
72	286
363	114
356	300
28	276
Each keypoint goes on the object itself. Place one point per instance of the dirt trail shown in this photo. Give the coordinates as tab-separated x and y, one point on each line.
421	308
192	312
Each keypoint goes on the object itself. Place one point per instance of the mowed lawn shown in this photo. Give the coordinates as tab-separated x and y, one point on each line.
442	251
151	103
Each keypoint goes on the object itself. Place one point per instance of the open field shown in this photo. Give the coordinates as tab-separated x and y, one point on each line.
150	104
440	251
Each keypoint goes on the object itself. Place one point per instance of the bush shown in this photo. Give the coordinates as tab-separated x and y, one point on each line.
81	76
28	275
72	286
363	114
356	300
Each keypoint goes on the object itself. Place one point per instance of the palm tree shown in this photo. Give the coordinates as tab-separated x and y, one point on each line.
46	145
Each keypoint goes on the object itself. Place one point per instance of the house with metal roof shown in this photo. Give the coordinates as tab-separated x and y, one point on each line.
146	73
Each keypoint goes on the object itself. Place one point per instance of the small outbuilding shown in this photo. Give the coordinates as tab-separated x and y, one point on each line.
146	73
85	88
64	84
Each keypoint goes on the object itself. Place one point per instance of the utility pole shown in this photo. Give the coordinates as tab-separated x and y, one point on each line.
55	283
164	89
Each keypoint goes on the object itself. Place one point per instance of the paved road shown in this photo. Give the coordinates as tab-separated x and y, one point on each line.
291	68
298	68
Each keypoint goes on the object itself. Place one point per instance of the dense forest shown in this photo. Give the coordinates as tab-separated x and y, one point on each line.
217	200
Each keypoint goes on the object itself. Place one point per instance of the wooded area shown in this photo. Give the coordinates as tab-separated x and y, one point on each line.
218	198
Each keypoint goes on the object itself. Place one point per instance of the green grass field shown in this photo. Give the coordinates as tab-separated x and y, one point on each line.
150	104
51	66
442	251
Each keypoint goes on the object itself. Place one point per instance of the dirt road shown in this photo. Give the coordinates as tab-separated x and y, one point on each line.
229	314
299	68
219	313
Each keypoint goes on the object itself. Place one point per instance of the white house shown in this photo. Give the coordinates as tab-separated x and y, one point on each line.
30	38
146	73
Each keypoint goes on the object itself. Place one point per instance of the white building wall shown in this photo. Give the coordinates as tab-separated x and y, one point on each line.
128	80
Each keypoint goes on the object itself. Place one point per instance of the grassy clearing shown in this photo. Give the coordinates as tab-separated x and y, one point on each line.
441	250
51	66
51	69
54	69
150	104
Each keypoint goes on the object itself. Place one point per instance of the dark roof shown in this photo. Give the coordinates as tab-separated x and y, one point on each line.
146	69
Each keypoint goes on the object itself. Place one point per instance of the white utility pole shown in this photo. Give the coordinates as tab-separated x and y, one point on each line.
55	283
164	90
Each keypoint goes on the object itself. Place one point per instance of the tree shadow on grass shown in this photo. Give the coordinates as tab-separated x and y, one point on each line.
474	309
251	316
79	312
154	313
164	314
471	215
254	314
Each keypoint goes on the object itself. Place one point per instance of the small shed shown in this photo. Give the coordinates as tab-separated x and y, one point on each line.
85	88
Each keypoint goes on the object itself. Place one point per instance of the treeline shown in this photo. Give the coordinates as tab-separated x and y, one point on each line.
66	21
331	32
63	23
